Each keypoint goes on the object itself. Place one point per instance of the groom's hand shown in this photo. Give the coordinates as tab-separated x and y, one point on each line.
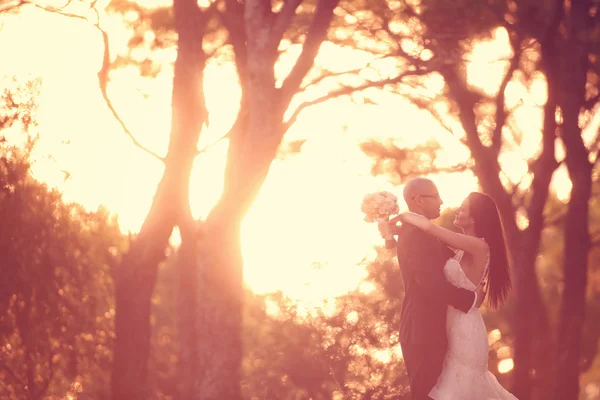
480	295
385	230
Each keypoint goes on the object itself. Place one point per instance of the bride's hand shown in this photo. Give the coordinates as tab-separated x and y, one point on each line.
415	219
404	217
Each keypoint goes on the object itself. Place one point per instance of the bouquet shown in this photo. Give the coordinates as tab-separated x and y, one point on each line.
379	207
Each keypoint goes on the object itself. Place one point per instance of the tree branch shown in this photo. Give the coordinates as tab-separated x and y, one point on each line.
423	105
210	145
501	113
466	101
233	20
58	10
317	33
103	73
329	74
406	163
103	83
283	20
347	90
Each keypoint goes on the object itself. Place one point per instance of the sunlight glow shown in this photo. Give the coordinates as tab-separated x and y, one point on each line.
383	356
504	352
305	234
505	366
494	336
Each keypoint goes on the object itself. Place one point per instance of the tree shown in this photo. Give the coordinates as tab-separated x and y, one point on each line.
541	36
55	295
135	277
253	143
443	35
577	46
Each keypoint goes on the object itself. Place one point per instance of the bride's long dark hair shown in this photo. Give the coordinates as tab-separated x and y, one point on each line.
488	225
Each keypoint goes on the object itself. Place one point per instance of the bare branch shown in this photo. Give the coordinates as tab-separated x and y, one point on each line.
329	74
11	5
208	146
317	32
103	82
347	90
426	106
59	10
501	113
398	38
401	163
103	73
466	101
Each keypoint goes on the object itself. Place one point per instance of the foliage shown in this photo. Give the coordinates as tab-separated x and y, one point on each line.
56	306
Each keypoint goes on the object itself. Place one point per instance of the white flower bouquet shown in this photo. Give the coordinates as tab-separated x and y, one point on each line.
379	206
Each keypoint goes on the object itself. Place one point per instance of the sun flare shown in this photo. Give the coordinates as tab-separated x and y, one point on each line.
305	234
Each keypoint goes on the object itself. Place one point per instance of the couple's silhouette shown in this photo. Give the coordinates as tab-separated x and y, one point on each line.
443	336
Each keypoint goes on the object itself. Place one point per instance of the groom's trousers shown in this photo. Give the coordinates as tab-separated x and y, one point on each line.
424	362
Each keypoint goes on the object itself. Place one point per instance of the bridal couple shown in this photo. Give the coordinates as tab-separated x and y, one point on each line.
443	336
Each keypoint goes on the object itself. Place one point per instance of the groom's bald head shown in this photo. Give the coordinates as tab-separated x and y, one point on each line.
422	196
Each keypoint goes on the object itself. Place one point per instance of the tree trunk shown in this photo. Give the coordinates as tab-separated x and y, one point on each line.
529	320
253	145
219	311
135	278
250	155
186	309
577	239
532	361
572	310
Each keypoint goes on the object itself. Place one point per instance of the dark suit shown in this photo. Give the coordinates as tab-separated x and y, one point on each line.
423	320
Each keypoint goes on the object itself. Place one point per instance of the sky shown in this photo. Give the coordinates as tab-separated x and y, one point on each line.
305	234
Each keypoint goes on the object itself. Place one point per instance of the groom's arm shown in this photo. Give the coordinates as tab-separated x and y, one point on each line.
427	267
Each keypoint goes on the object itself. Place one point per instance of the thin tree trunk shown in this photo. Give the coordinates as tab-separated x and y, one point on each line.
573	305
577	238
135	277
134	284
532	354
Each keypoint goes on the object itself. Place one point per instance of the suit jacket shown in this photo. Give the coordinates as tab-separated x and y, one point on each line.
422	258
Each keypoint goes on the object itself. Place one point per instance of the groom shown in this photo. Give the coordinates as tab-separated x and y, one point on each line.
427	292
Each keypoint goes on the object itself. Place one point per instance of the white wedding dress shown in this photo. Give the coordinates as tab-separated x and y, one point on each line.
465	374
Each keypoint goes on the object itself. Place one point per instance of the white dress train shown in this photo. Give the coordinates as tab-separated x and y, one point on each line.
465	374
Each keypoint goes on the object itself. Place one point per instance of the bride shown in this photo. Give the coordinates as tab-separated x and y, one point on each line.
481	259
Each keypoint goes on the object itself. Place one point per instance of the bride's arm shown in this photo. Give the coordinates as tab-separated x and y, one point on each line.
469	244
